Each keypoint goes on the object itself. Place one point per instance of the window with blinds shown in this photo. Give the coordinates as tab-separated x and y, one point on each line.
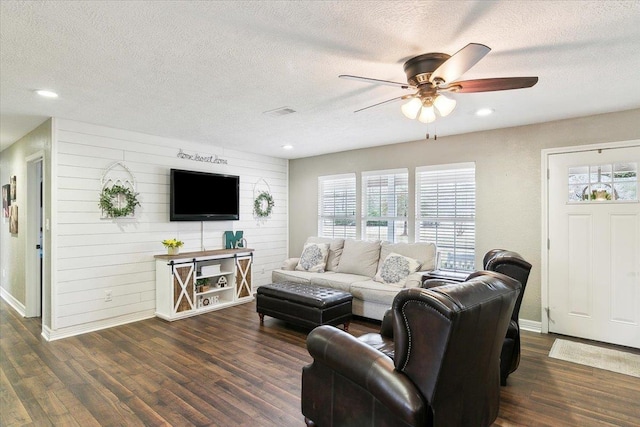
337	206
446	212
384	205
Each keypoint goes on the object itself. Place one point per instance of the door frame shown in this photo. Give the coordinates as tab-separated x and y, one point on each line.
544	238
34	213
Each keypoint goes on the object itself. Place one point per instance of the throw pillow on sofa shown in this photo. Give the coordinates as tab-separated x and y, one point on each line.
423	252
313	258
395	269
335	250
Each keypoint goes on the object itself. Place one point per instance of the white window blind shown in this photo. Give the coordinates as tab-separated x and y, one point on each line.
337	206
384	205
446	212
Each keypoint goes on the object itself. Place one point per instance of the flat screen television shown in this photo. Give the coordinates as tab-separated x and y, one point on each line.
204	196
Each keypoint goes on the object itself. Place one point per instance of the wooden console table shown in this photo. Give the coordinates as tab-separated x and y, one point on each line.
224	275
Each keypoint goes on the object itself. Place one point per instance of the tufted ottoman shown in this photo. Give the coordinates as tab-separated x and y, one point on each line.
304	305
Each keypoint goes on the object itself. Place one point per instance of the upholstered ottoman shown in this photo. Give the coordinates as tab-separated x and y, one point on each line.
304	305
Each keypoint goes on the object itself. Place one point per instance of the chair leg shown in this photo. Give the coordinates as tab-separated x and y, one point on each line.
309	423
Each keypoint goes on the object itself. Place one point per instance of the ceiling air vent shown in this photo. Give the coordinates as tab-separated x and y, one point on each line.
282	111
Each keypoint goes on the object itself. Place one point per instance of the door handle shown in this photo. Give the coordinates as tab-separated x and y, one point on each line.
38	247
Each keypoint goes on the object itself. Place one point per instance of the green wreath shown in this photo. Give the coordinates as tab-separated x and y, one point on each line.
263	205
108	196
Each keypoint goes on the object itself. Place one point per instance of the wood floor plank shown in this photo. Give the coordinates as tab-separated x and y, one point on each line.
13	411
226	369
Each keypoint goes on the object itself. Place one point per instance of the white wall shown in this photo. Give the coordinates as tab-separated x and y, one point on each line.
13	247
94	255
508	181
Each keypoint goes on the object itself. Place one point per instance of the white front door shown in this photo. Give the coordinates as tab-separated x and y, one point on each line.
594	245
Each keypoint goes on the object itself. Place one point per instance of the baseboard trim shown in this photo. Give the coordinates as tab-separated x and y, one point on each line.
17	305
531	325
51	335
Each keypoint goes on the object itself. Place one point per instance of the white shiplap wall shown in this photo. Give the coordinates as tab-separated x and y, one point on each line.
94	255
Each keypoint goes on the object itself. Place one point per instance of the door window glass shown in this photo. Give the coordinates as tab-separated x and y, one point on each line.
605	182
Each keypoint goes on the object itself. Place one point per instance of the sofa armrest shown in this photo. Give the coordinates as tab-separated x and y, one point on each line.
414	280
367	367
289	264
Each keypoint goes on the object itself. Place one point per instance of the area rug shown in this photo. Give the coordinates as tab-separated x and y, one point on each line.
597	357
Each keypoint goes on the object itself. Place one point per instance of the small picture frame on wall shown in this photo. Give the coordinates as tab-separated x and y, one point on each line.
13	188
6	200
13	220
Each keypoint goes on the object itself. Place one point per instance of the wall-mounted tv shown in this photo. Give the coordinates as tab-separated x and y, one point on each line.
204	196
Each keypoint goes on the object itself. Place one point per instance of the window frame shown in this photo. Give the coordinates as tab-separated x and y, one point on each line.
391	220
323	217
462	250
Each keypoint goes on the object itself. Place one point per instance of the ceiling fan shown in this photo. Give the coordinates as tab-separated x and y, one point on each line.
432	74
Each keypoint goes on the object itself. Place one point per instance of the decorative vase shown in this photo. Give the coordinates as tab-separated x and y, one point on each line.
173	251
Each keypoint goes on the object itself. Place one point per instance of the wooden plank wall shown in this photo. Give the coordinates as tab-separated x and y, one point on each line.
94	255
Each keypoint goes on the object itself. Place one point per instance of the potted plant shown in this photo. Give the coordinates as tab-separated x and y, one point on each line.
202	285
173	246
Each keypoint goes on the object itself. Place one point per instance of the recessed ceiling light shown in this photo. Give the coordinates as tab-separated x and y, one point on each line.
46	93
484	112
287	147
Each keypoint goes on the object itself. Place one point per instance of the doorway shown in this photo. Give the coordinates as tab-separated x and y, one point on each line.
34	256
593	243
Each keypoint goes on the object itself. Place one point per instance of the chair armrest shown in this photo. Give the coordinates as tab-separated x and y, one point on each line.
368	368
289	264
386	327
432	283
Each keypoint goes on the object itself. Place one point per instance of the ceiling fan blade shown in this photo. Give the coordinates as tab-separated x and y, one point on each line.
384	102
459	63
490	85
376	81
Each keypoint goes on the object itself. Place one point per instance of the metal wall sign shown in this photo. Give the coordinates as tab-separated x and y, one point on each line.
199	158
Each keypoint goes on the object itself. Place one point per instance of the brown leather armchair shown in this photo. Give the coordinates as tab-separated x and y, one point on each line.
513	265
500	260
445	370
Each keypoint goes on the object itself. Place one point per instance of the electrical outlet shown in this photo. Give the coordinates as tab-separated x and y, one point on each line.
108	296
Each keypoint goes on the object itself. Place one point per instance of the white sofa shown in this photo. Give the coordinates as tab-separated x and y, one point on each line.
358	267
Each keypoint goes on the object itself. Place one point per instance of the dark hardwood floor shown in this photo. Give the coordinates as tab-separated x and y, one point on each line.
224	369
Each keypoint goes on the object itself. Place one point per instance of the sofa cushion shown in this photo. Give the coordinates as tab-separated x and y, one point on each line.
360	257
335	250
372	291
395	269
279	276
341	281
314	257
423	252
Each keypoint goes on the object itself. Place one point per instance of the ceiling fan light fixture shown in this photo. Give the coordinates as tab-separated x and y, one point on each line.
428	114
444	105
484	112
412	108
46	93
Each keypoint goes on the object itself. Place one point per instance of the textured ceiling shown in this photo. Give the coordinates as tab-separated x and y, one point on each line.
206	71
